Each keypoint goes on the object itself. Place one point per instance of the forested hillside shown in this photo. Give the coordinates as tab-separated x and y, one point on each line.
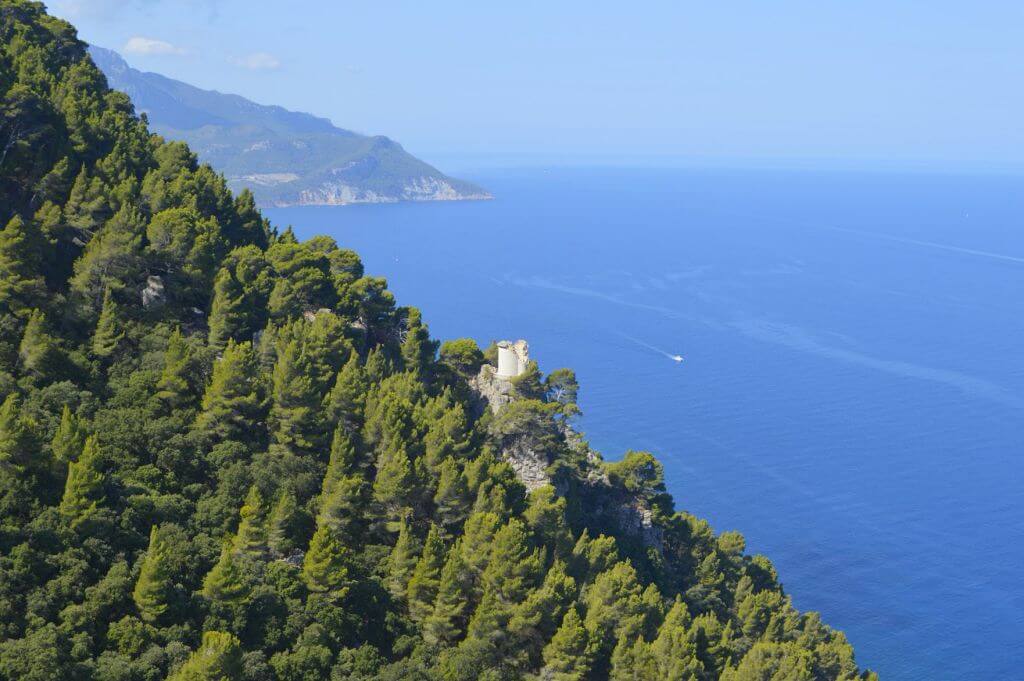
225	454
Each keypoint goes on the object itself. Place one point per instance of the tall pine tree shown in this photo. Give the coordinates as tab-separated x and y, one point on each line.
84	488
39	352
347	398
219	658
447	621
675	648
174	388
394	487
512	571
402	560
22	287
225	583
282	527
251	538
567	656
109	329
154	589
295	413
325	569
229	313
422	589
69	439
234	404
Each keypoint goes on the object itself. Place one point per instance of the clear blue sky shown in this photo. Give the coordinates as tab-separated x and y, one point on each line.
917	82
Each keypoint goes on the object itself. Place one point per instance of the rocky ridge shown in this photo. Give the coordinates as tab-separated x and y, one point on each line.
630	513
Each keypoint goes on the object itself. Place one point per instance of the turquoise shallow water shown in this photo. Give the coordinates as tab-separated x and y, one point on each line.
852	397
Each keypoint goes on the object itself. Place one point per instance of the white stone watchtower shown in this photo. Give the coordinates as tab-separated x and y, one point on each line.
512	358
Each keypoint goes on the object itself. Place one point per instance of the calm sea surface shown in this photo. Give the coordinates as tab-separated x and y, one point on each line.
852	397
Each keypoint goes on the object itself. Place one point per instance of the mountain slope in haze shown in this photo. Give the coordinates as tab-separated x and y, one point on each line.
284	157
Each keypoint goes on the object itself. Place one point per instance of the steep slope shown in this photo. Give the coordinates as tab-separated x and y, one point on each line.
284	157
225	454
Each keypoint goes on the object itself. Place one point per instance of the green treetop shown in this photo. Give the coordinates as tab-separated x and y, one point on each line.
39	351
477	537
447	621
675	649
296	403
282	525
402	560
462	355
228	313
452	496
20	452
175	385
418	350
561	388
224	583
377	366
513	569
326	566
219	658
394	486
447	436
546	517
109	328
112	259
234	403
153	589
426	577
769	660
633	660
343	507
345	402
342	461
21	282
86	206
615	609
251	538
84	488
567	656
69	439
535	620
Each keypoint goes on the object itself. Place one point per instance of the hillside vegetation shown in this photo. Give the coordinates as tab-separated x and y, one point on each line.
225	454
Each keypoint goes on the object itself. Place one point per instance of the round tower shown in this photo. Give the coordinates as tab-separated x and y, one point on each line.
508	361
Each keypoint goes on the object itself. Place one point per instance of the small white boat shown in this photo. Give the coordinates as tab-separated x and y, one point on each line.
677	358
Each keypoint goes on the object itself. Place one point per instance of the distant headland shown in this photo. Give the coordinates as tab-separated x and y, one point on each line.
284	157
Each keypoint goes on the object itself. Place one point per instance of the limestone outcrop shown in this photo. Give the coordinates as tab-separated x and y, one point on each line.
493	391
153	293
614	506
342	193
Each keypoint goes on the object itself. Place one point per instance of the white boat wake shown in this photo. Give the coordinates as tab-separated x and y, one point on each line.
674	358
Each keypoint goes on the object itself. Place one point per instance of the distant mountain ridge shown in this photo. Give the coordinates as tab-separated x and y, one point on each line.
285	157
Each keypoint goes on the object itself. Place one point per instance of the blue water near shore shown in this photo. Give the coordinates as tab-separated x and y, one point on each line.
852	397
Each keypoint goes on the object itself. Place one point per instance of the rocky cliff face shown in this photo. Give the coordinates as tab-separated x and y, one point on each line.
423	188
629	513
494	392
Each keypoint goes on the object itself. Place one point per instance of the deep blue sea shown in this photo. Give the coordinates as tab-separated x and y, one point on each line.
852	395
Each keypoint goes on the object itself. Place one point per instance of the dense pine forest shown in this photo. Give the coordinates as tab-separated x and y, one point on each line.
226	454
